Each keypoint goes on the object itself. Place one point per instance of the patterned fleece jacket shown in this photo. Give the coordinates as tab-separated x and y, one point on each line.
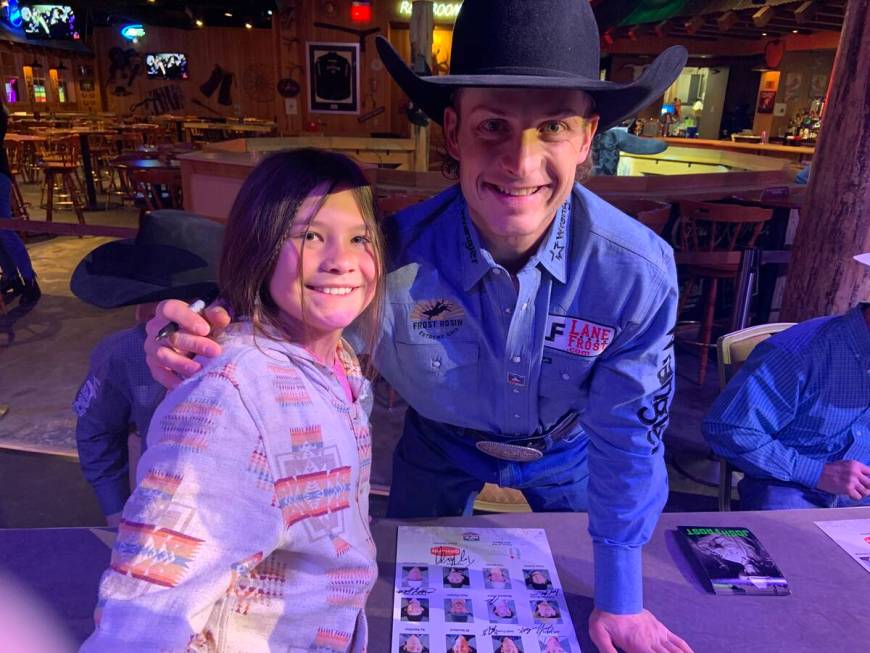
248	530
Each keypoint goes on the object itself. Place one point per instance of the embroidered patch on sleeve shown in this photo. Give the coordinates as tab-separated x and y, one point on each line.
576	336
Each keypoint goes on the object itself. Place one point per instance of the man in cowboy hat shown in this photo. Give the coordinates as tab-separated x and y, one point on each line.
528	322
794	418
174	256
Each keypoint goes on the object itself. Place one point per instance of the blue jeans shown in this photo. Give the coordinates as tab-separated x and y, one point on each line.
437	471
14	259
770	494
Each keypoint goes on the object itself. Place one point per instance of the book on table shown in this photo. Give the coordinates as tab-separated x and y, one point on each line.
734	561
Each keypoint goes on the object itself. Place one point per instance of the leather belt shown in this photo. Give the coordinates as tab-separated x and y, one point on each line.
524	449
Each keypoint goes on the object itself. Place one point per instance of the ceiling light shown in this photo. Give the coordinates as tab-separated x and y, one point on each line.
794	31
228	14
248	26
199	22
764	33
269	12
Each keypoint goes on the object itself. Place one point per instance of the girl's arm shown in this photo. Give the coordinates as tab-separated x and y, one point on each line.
201	517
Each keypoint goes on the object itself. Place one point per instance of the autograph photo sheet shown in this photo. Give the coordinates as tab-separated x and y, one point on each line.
478	590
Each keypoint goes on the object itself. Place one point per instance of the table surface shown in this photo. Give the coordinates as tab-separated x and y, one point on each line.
827	610
794	199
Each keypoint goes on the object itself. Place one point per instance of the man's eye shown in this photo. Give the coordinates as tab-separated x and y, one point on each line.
554	127
491	126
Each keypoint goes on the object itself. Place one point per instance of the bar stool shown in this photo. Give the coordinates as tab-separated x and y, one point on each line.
63	175
711	237
15	154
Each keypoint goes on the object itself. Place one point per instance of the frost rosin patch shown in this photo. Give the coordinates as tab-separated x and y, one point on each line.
575	336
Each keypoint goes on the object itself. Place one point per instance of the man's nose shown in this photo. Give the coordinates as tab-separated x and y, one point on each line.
522	154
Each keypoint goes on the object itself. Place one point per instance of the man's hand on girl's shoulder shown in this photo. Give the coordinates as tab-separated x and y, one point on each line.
169	359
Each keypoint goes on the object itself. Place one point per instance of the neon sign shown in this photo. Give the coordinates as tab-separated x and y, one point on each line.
444	11
133	32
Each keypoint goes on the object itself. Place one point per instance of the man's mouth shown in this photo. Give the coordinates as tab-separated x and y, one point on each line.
516	191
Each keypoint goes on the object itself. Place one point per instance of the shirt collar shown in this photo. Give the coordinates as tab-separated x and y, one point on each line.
859	331
552	253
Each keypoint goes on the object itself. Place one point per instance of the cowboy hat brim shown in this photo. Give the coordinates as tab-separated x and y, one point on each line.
613	101
105	277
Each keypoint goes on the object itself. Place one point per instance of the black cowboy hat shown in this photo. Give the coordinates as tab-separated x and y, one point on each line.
532	44
175	255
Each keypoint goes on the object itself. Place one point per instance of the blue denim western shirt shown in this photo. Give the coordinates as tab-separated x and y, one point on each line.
802	399
586	326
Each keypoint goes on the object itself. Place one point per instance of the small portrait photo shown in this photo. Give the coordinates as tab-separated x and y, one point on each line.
458	610
507	644
537	579
545	612
455	577
496	578
554	644
414	609
501	610
461	644
415	576
413	643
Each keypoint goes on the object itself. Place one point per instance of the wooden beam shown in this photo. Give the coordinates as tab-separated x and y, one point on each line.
762	17
727	20
835	217
806	11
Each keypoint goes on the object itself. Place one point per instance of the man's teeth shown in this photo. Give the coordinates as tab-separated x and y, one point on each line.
334	291
518	192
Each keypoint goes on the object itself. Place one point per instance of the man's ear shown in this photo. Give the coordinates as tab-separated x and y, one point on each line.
590	126
451	132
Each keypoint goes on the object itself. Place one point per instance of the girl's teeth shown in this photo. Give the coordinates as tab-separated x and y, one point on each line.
335	291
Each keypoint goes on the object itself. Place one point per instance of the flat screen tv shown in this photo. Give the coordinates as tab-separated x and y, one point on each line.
166	65
49	22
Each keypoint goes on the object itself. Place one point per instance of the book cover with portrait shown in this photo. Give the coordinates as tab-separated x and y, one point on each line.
734	561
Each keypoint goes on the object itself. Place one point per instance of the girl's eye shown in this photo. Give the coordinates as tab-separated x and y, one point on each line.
361	240
311	235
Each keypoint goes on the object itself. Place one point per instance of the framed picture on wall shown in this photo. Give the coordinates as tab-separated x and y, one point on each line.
766	101
333	77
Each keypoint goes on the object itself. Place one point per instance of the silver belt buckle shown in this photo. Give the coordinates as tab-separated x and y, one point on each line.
512	452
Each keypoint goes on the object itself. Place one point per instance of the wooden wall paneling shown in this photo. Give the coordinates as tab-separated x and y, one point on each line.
247	54
307	12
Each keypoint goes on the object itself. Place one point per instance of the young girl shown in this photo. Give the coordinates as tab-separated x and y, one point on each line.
248	531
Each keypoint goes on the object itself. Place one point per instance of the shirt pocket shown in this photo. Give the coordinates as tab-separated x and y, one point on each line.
438	375
563	378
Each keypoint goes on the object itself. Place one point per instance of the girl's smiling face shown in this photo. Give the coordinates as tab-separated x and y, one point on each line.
326	273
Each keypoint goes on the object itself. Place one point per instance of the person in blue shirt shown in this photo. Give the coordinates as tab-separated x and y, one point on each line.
796	417
174	255
528	323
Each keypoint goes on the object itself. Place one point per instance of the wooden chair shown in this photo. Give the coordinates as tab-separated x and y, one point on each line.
654	215
733	349
160	188
711	237
394	202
